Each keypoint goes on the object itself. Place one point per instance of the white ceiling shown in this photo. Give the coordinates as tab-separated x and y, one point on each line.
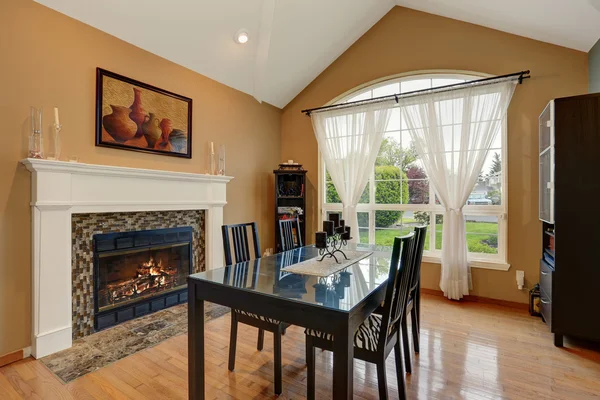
569	23
293	41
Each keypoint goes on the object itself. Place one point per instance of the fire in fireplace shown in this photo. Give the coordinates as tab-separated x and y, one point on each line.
140	272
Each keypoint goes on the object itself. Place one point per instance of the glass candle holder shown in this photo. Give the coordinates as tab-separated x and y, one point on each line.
211	167
36	145
221	164
55	143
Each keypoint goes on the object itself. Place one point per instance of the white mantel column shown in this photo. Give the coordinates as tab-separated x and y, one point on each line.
51	258
52	279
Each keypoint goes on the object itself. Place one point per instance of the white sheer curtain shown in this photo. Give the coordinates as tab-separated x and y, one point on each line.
453	132
349	140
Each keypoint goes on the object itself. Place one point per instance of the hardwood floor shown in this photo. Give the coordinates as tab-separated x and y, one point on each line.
468	351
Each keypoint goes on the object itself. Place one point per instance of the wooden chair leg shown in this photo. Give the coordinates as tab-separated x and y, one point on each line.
232	341
261	339
399	370
311	369
415	329
277	361
406	345
382	380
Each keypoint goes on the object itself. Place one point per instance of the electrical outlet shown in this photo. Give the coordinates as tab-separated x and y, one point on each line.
520	279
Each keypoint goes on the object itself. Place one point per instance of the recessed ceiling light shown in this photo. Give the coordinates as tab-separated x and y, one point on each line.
241	36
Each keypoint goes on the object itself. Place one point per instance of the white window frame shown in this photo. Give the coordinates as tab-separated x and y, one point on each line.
478	260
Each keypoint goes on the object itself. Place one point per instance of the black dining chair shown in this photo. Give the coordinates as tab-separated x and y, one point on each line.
413	303
236	236
378	334
288	239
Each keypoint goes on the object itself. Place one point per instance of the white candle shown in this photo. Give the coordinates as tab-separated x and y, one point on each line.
56	122
212	148
290	161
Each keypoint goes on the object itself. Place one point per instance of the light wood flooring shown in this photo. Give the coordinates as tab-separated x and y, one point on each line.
468	351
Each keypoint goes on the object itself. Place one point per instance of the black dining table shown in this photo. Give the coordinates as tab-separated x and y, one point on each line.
336	304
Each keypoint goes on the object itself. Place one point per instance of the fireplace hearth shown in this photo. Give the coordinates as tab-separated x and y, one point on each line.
136	273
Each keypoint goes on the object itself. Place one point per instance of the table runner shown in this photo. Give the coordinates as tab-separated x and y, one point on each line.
328	266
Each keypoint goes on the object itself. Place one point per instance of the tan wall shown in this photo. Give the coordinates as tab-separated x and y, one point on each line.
49	59
407	40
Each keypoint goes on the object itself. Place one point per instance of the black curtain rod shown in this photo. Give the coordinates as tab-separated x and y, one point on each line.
521	75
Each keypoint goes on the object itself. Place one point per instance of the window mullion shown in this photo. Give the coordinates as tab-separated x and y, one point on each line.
371	207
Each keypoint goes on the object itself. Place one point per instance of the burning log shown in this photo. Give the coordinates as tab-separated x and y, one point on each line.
150	276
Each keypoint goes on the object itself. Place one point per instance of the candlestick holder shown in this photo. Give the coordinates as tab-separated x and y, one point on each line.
221	161
333	246
55	144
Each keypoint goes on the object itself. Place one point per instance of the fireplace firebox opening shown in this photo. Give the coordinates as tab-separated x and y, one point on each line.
136	273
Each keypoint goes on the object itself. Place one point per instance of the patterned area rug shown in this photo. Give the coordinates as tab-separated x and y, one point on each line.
102	348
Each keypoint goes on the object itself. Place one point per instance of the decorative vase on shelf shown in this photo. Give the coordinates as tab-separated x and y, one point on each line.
36	145
138	114
151	129
118	124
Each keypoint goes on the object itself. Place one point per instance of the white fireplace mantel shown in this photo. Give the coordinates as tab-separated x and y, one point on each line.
60	189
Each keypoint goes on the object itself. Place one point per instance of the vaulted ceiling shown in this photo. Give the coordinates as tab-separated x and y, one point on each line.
293	41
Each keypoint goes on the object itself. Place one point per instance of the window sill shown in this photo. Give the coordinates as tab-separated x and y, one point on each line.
483	264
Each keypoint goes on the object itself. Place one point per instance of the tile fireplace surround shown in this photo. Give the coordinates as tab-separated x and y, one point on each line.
61	189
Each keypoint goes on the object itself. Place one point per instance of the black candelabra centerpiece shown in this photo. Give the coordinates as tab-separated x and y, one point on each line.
335	234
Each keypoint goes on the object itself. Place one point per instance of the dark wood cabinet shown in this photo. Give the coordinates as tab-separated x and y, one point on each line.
290	194
569	185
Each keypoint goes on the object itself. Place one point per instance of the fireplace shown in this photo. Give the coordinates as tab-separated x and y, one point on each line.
136	273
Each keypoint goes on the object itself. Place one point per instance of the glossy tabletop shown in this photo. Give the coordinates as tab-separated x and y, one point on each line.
340	291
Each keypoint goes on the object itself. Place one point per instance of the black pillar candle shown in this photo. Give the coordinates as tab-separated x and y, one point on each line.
335	217
328	227
342	222
346	234
321	240
340	230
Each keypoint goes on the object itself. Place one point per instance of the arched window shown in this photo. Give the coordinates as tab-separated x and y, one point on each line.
398	195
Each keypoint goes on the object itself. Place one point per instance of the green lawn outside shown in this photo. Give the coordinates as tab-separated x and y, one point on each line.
480	236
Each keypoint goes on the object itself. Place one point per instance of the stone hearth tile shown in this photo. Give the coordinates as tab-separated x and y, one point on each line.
102	348
163	315
125	346
107	337
180	309
151	327
77	361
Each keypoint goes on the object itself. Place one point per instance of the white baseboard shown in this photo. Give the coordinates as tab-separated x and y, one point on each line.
50	342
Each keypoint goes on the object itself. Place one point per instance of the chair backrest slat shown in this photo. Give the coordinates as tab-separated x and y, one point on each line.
286	234
237	236
403	277
420	234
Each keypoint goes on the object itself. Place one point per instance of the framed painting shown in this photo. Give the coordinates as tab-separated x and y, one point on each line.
133	115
